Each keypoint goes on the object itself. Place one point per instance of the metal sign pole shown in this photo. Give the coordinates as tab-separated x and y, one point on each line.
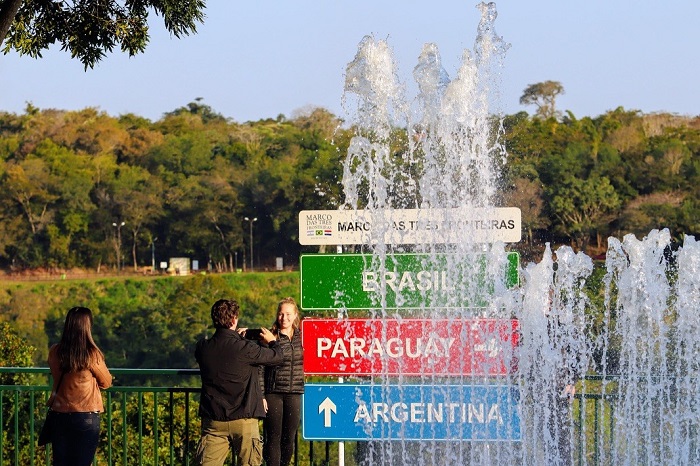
341	445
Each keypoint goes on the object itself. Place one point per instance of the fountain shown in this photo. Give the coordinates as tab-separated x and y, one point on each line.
447	162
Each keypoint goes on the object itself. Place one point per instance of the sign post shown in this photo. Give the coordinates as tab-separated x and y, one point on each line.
408	347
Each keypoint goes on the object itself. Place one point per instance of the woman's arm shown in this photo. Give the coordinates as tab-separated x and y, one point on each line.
101	373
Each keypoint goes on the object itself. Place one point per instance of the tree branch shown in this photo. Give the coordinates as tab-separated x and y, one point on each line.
8	11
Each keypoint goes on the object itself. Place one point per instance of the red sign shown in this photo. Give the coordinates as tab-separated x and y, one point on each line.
409	346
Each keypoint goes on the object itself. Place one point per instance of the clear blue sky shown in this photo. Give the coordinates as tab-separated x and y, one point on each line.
253	60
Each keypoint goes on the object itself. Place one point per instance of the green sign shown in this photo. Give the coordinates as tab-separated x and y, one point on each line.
403	281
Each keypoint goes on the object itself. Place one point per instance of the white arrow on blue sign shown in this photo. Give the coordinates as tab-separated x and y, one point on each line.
327	407
410	412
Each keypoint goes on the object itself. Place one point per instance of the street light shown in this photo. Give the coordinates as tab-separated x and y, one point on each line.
251	238
153	254
119	243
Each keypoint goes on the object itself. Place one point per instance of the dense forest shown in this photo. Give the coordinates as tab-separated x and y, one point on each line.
83	189
140	322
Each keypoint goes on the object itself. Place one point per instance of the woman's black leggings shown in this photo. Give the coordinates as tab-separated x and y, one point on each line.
280	425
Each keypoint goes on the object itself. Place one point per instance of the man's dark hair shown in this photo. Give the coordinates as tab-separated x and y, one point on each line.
223	312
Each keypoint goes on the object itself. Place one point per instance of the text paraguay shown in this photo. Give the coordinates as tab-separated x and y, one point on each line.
392	347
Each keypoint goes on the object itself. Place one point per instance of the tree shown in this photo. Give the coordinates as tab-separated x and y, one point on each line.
137	201
544	96
218	213
206	113
663	209
528	194
14	352
583	207
31	187
88	29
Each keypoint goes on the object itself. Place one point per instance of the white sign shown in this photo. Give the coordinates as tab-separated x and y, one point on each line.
410	226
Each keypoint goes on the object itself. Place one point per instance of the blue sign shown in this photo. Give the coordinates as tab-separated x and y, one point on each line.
410	412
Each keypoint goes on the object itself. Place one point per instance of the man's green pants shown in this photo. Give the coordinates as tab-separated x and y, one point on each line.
242	435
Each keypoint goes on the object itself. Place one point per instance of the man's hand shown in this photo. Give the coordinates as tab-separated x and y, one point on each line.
265	404
266	336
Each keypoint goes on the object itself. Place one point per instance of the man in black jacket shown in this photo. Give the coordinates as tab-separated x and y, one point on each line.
231	398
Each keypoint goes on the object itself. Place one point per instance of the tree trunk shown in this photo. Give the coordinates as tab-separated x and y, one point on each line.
8	11
134	236
133	256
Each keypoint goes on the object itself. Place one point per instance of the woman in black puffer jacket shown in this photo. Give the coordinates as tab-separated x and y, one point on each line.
284	385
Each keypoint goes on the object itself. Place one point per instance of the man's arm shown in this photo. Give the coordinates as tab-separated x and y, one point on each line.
260	355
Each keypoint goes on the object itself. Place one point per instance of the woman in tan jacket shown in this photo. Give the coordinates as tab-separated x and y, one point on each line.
79	372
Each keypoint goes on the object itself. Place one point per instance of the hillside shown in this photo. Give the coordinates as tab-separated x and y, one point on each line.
143	322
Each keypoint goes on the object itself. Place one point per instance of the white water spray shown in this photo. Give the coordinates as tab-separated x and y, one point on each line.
442	151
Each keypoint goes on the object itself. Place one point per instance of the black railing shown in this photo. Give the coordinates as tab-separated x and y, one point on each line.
146	424
142	424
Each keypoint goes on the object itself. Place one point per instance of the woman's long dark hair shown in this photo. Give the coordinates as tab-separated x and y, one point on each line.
77	350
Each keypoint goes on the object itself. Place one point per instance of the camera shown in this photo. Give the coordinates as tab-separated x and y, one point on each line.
253	334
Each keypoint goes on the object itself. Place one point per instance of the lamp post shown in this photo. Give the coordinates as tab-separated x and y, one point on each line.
250	222
153	254
119	226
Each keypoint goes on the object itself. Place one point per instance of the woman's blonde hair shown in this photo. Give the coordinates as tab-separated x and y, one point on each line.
297	321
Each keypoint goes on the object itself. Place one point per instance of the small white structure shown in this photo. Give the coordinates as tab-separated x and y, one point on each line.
179	266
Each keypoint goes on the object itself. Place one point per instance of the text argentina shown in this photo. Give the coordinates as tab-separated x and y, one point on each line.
464	413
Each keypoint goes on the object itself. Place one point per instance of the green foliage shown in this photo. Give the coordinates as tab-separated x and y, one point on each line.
26	311
182	185
639	169
134	436
89	30
543	95
583	206
143	323
14	352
